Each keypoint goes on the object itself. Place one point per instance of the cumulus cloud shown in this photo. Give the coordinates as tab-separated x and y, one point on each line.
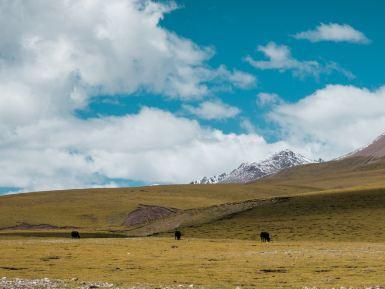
333	32
153	146
55	55
281	59
215	109
334	120
268	99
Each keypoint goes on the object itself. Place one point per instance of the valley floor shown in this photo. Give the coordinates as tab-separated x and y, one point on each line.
155	262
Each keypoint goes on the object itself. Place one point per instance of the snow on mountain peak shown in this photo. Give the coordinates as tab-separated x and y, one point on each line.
247	172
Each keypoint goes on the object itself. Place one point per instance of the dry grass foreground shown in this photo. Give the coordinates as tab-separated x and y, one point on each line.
209	263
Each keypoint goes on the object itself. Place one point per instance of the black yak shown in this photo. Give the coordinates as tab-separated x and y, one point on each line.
75	235
265	237
178	235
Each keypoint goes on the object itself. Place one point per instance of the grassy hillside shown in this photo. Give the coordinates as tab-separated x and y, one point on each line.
334	216
107	208
316	187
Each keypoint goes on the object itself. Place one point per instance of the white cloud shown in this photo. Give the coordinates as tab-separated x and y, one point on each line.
334	120
280	58
237	78
152	146
333	32
268	99
55	56
248	126
215	109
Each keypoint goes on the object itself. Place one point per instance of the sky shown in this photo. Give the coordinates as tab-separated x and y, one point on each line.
127	92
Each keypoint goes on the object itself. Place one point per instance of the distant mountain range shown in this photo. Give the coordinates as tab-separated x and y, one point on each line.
248	172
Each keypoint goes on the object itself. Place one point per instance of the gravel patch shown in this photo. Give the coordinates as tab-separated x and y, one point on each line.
46	283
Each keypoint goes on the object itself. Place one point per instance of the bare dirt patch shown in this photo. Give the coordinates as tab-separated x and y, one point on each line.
147	213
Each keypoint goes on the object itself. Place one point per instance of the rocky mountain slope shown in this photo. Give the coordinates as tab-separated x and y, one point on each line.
248	172
374	150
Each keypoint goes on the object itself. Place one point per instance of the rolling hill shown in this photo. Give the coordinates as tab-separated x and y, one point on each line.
354	216
309	201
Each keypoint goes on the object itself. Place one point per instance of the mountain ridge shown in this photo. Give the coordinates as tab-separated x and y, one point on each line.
376	149
248	172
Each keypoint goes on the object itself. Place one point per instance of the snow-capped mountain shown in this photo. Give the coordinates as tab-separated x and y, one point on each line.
248	172
211	180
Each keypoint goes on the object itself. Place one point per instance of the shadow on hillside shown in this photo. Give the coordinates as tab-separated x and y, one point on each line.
62	234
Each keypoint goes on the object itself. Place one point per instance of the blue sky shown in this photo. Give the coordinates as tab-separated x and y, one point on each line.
138	92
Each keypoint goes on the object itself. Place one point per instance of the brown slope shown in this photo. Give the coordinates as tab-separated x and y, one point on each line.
364	167
337	174
146	214
375	150
197	216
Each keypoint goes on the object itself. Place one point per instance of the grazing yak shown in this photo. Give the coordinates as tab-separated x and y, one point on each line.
265	237
75	235
178	235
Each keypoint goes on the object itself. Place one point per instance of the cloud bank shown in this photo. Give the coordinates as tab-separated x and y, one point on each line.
57	56
151	146
334	120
